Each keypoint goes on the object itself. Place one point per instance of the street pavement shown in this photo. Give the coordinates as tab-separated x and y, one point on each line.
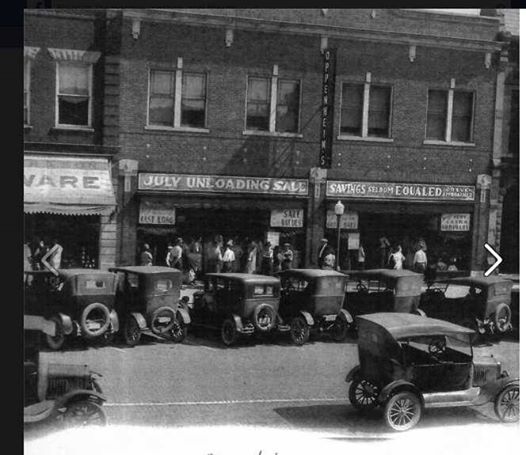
259	383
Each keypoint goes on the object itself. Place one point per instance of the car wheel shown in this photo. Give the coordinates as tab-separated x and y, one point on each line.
299	331
57	341
95	314
340	329
502	318
507	404
229	332
159	316
83	413
363	394
132	332
403	411
178	331
264	317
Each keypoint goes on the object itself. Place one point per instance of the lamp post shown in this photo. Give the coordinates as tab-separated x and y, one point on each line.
339	208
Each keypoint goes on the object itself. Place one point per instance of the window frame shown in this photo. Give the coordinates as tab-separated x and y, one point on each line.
27	68
89	125
365	111
178	98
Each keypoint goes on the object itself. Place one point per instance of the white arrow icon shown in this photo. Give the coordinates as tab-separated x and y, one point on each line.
497	257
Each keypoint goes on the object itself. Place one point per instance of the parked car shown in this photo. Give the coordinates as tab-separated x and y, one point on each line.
147	301
67	393
480	303
311	302
383	290
79	301
408	363
240	304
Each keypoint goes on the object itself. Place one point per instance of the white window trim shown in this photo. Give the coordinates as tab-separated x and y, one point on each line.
30	54
365	112
178	97
274	82
449	118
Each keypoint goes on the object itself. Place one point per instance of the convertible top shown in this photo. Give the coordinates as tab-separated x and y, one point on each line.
402	325
246	277
480	281
384	273
145	269
311	273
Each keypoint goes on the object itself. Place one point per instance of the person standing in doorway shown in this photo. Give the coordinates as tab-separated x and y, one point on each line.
176	255
361	257
288	257
398	258
228	258
146	255
323	251
278	258
420	260
267	259
252	258
168	255
384	248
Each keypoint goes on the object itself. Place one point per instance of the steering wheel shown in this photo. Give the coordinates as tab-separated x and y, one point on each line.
361	287
437	347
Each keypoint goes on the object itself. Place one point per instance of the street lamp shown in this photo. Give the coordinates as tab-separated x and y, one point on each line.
339	208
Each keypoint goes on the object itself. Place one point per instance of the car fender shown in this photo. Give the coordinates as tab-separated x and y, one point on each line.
77	395
351	374
489	391
308	317
238	322
67	323
346	315
114	321
140	320
398	386
184	315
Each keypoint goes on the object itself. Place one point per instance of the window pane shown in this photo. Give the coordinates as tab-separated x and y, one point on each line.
73	78
259	90
436	115
258	116
193	113
161	111
462	111
162	83
513	143
73	110
352	109
379	111
193	86
287	113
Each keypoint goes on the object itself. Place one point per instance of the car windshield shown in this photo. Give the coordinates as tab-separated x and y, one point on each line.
449	346
458	291
263	290
330	285
163	285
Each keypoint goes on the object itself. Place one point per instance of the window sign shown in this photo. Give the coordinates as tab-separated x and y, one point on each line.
156	212
292	218
353	241
455	222
349	220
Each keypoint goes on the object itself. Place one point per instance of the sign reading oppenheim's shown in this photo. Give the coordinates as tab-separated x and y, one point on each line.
407	191
222	184
327	107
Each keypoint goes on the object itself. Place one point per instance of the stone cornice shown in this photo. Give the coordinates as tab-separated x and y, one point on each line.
30	52
74	55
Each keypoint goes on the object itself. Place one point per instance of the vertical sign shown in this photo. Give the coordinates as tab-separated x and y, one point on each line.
327	107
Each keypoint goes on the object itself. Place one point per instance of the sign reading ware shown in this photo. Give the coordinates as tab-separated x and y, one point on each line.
292	218
153	212
411	191
455	222
222	184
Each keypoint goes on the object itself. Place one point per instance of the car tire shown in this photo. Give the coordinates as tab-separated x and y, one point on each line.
131	331
229	333
57	341
299	331
83	413
156	314
502	318
363	394
84	319
507	404
264	317
178	331
402	411
420	312
339	329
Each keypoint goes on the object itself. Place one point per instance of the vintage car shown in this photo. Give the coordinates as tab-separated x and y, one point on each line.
480	303
79	301
311	302
67	393
408	363
240	304
147	301
383	290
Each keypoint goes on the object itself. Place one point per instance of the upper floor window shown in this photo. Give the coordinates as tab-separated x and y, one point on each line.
177	99
29	55
365	110
273	104
74	87
450	115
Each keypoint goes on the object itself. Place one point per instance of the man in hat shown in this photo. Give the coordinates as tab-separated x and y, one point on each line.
175	256
323	251
228	257
288	257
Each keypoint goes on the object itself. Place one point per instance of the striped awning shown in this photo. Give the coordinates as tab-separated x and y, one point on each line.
68	185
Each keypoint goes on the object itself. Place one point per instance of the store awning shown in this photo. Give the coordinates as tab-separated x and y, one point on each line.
68	185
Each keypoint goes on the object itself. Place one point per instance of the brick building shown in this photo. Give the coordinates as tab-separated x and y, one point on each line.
219	117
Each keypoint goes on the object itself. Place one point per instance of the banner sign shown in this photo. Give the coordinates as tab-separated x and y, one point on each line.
349	220
327	107
455	222
404	191
156	212
223	184
286	218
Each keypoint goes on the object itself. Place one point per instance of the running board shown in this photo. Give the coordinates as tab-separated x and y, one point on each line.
451	399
